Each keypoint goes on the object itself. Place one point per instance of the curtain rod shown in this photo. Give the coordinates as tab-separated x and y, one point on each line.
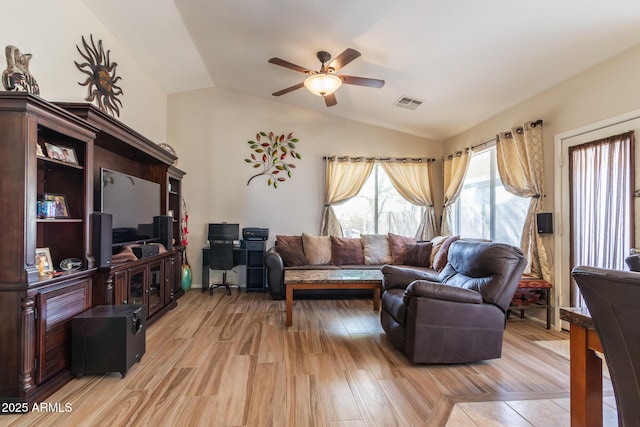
538	122
380	159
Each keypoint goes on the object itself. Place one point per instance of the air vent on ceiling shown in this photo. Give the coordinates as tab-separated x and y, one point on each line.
408	103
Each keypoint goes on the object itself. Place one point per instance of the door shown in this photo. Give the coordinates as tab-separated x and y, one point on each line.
564	258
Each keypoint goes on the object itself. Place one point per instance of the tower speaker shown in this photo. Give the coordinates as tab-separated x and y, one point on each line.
163	230
545	222
101	238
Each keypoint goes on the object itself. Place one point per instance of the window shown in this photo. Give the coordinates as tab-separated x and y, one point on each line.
485	209
378	209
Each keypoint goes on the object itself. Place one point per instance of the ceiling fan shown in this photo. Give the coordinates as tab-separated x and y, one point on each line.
325	82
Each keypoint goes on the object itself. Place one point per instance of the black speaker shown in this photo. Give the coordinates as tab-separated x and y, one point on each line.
545	222
101	238
107	338
163	230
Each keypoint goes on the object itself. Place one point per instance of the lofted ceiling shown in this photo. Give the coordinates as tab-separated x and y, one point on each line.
467	60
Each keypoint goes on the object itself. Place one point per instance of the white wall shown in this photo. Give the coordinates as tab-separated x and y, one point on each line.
50	31
209	130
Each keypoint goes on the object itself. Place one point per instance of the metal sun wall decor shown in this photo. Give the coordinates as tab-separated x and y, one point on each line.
17	77
273	153
102	79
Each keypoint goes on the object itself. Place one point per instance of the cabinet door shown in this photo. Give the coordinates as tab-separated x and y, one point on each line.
57	305
155	289
137	277
121	288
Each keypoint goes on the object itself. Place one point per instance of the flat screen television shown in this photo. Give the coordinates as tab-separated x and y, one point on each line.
223	231
133	202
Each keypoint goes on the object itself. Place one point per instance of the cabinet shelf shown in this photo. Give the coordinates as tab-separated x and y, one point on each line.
59	163
58	220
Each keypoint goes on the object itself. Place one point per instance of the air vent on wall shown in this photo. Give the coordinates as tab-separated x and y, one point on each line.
408	103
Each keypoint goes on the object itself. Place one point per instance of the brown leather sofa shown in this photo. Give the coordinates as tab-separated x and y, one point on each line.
459	315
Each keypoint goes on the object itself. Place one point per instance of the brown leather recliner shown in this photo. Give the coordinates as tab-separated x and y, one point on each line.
458	316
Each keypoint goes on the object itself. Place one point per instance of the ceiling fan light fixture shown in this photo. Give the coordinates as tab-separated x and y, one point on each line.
322	84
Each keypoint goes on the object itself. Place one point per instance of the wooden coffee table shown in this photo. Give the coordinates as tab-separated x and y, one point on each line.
331	279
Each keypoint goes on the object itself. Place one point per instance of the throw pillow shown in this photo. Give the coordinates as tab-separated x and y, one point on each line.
291	250
441	257
436	242
346	251
418	255
398	245
317	249
375	248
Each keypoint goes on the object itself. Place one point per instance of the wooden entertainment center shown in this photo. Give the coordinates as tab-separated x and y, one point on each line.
35	309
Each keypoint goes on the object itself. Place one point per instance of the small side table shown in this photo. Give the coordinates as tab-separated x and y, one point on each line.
532	293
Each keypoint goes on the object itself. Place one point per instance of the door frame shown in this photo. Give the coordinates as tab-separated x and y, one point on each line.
562	141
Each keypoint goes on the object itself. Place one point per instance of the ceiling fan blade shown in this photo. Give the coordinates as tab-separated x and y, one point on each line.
343	59
330	100
362	81
289	89
287	64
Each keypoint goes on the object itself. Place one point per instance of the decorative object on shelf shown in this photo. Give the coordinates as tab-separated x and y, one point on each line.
184	226
102	78
39	150
43	261
170	149
53	206
64	154
17	76
70	264
273	156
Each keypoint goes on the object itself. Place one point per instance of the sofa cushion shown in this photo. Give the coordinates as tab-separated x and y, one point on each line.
418	254
398	245
291	250
440	259
437	243
375	248
346	251
317	249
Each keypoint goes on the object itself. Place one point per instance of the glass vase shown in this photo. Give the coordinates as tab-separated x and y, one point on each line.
185	281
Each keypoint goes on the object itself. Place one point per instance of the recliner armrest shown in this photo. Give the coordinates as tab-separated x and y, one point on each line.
395	277
436	290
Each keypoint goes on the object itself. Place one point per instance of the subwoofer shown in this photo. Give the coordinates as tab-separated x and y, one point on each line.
101	238
108	338
162	229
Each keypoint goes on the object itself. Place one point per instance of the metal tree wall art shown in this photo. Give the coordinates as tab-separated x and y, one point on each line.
102	79
274	155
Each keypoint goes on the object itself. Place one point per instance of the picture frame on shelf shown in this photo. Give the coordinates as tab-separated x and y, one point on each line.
63	154
54	206
43	255
39	150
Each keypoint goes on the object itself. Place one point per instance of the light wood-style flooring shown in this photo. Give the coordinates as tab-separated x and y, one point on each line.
230	361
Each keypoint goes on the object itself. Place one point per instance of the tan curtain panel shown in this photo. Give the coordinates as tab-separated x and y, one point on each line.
412	179
344	178
520	165
455	168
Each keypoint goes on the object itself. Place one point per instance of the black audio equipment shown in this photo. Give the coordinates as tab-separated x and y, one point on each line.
545	222
107	338
101	238
147	250
163	230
